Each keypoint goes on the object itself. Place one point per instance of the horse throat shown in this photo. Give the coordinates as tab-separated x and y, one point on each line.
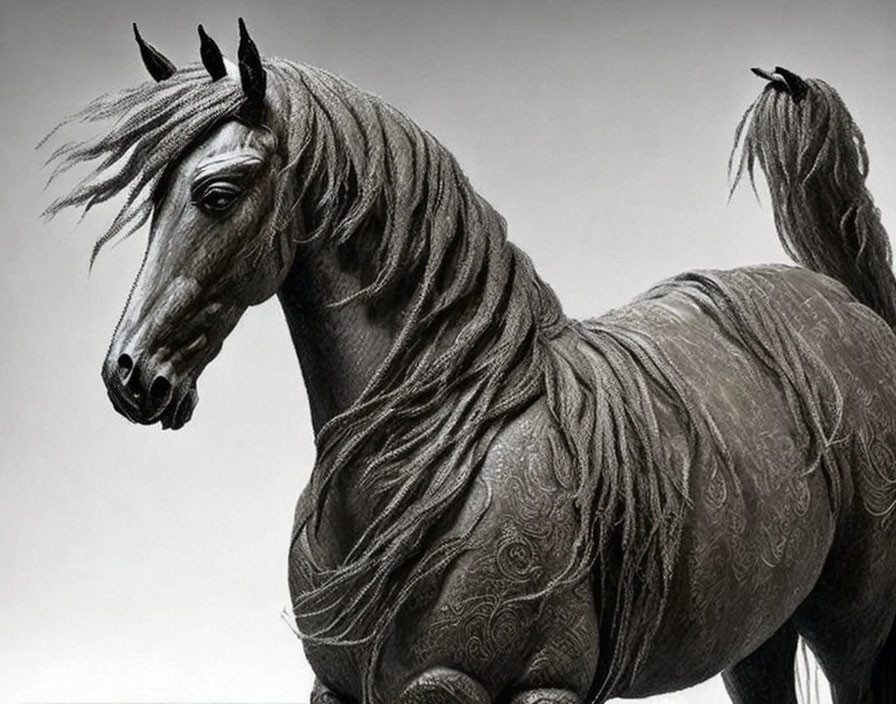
339	347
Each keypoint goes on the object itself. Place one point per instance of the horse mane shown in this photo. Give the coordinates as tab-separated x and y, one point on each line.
468	357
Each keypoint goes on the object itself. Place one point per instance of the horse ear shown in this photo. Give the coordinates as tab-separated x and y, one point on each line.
795	85
211	56
252	73
158	66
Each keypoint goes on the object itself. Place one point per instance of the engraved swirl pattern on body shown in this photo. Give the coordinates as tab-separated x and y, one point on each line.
878	477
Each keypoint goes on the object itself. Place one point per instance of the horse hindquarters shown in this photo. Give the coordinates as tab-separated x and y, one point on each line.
847	620
813	155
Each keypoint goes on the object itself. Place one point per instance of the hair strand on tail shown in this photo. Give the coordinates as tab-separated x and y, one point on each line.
814	160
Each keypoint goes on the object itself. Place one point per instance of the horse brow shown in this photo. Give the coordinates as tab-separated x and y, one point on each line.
236	162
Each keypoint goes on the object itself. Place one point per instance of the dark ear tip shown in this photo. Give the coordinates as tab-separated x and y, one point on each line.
159	67
211	55
252	73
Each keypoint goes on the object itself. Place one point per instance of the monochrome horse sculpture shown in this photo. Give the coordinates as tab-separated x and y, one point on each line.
509	505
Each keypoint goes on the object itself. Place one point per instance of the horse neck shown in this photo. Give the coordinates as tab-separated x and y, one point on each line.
342	348
339	347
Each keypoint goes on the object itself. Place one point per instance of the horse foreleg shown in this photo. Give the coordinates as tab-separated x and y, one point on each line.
321	694
765	676
443	685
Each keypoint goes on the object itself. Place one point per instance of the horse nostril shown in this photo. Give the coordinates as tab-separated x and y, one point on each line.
160	391
125	365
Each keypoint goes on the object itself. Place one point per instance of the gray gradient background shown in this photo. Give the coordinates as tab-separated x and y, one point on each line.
141	565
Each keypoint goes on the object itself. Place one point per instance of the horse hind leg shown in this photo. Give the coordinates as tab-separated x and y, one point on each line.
766	676
847	619
883	673
852	638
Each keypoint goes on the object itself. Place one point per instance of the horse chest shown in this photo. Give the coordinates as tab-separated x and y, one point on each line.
474	620
481	624
479	615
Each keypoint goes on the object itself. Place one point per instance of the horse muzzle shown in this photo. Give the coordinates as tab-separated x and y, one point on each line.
145	391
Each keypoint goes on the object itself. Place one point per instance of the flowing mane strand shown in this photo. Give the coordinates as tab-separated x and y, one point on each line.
153	124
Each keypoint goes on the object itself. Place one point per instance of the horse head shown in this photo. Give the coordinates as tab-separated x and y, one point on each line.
214	248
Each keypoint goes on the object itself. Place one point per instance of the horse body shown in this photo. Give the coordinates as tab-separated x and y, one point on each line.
508	505
765	509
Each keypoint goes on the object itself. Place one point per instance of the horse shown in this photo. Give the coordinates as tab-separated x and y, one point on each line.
509	505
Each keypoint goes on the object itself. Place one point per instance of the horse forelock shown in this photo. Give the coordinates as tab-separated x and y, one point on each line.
151	127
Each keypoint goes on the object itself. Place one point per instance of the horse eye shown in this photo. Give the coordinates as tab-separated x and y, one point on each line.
217	197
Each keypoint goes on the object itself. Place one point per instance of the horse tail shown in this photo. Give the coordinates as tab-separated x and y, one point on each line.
815	164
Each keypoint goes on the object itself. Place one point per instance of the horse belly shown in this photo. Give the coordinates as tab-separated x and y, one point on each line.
742	573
